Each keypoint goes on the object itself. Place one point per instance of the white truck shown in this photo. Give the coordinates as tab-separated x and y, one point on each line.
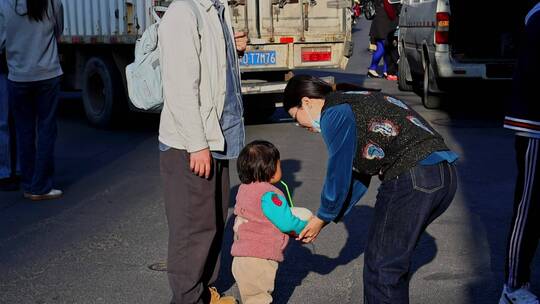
99	38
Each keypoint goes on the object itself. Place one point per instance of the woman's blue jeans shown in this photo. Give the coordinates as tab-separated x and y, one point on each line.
377	56
405	206
7	134
34	106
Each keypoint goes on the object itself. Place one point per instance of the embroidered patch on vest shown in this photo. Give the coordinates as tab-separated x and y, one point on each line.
357	93
419	124
396	102
385	128
372	151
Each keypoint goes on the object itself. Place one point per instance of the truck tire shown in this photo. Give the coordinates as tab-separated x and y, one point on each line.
102	91
403	68
429	100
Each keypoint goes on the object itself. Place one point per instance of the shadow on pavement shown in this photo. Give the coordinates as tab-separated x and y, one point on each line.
301	259
83	151
487	171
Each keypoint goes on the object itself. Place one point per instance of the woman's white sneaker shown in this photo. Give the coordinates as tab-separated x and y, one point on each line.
53	194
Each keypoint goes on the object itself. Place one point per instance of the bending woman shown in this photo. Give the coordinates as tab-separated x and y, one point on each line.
372	134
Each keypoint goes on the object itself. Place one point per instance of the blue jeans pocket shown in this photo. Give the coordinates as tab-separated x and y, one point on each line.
428	179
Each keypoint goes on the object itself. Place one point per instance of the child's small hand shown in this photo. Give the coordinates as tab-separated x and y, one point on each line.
239	220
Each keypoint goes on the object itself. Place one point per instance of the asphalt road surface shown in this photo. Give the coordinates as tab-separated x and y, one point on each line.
96	244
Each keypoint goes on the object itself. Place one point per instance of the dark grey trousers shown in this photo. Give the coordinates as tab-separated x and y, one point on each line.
196	211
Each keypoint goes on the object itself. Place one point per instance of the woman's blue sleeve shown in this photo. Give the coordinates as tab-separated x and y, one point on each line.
276	209
338	128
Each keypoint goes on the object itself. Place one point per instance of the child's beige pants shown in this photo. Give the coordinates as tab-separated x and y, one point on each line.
255	278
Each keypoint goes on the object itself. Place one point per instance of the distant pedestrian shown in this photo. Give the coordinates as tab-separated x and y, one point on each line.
392	55
356	11
31	29
201	129
523	116
263	223
371	134
391	47
384	23
8	155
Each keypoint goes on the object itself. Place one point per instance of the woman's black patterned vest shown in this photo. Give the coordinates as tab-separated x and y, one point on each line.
392	137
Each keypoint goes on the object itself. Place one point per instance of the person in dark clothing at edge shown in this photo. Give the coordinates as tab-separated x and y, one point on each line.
391	47
372	134
523	116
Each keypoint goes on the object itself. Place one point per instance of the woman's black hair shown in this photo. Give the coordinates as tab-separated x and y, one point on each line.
257	162
36	10
301	86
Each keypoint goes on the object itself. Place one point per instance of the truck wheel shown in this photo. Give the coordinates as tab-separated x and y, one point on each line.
429	100
403	68
102	91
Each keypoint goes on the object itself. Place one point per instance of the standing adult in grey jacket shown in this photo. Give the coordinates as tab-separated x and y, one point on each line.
201	129
30	29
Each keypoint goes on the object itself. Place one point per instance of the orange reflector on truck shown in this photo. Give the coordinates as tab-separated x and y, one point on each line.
310	54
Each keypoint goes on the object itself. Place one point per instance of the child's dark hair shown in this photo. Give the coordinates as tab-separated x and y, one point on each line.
257	162
301	86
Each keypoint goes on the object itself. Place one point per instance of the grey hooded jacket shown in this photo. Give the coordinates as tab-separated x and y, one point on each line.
31	47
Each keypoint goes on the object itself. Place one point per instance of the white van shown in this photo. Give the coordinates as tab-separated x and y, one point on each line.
443	42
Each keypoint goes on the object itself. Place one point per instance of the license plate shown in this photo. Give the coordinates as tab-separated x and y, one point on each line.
258	58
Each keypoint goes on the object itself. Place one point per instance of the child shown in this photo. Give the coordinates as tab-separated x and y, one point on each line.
263	223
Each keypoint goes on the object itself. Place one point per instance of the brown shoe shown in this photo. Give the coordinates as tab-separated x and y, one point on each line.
53	194
216	298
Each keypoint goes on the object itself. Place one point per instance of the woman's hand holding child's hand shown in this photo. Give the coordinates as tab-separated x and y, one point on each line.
312	230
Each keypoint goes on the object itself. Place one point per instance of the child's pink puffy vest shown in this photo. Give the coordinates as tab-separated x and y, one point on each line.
257	238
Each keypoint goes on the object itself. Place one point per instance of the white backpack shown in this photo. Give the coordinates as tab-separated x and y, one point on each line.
143	76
